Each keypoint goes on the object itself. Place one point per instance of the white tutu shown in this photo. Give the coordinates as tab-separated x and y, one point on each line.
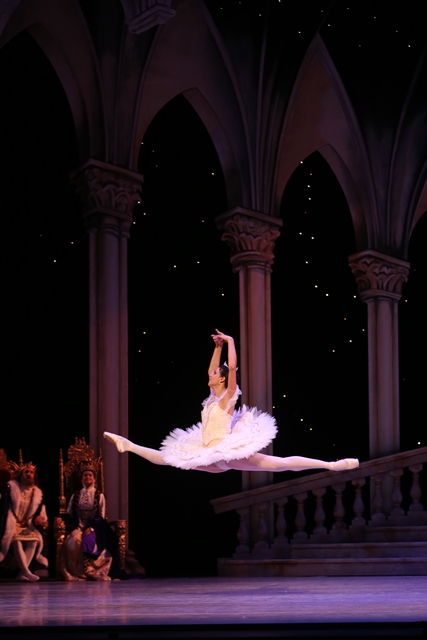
251	431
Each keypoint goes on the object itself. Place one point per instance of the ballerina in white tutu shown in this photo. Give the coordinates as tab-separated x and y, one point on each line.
225	439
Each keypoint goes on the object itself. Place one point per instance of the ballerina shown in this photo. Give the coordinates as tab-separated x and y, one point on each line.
225	438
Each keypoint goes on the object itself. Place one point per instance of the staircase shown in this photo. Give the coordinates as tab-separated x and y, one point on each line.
368	521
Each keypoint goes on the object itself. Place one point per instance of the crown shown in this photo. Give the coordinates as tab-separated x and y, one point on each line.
29	465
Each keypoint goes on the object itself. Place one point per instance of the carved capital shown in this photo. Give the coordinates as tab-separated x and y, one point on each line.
107	190
141	15
250	236
378	275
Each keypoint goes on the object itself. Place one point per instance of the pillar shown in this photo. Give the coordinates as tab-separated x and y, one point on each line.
251	236
379	280
109	194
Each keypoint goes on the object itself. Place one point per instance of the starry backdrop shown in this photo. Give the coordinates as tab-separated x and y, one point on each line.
180	288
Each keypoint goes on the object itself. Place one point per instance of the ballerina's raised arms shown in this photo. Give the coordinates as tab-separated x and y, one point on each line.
225	438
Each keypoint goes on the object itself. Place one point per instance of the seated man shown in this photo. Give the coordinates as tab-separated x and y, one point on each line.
90	549
22	514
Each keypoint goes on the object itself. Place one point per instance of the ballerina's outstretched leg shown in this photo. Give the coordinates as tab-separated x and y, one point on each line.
263	462
123	444
257	462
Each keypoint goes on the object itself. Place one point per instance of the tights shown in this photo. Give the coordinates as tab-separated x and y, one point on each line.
257	462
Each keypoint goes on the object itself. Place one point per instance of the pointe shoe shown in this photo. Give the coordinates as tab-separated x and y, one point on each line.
119	441
343	465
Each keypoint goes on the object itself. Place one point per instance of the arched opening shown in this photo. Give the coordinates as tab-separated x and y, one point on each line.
320	370
413	343
44	266
181	288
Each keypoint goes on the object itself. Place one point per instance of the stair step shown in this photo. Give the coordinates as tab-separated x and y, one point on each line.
349	550
231	567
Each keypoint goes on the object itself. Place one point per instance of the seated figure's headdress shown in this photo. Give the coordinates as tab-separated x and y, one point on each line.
81	457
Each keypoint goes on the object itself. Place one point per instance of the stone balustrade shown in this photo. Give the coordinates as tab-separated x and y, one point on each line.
331	507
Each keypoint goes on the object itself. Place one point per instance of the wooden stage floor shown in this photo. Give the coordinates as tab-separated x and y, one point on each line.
216	608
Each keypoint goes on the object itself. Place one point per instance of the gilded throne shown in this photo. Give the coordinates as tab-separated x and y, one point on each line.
81	461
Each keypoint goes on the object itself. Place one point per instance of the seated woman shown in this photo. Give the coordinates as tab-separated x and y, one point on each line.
90	550
225	439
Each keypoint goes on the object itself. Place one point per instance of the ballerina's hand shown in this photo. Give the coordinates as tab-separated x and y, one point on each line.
222	336
218	340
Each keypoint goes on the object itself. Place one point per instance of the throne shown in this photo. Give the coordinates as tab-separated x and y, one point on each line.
80	456
8	468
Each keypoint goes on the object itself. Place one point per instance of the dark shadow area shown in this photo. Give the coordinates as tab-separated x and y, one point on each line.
44	267
320	369
181	288
413	343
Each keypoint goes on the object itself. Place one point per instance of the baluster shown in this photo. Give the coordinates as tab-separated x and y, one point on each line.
378	515
358	505
319	514
280	520
280	545
242	532
262	542
415	488
300	520
396	496
339	511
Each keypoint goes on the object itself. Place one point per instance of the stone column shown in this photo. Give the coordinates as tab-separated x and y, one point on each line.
109	194
251	236
379	280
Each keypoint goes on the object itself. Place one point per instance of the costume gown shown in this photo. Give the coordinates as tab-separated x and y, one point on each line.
219	437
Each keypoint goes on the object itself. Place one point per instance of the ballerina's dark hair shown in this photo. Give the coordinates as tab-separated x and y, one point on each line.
223	369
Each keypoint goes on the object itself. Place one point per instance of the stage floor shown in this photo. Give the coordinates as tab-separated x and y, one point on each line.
216	607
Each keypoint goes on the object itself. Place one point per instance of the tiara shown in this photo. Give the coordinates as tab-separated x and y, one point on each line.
226	365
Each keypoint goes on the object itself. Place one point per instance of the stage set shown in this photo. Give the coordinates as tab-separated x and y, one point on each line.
323	287
319	607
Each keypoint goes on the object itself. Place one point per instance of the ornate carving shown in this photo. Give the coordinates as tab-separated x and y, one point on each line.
141	15
251	237
120	527
105	188
81	457
10	467
378	275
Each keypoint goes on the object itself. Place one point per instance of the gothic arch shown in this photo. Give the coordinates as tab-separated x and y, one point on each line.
186	58
76	67
320	118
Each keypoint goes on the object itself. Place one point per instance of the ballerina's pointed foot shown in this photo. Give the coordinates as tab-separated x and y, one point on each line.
343	465
122	444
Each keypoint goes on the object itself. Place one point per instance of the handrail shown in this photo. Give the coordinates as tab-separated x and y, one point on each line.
317	480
